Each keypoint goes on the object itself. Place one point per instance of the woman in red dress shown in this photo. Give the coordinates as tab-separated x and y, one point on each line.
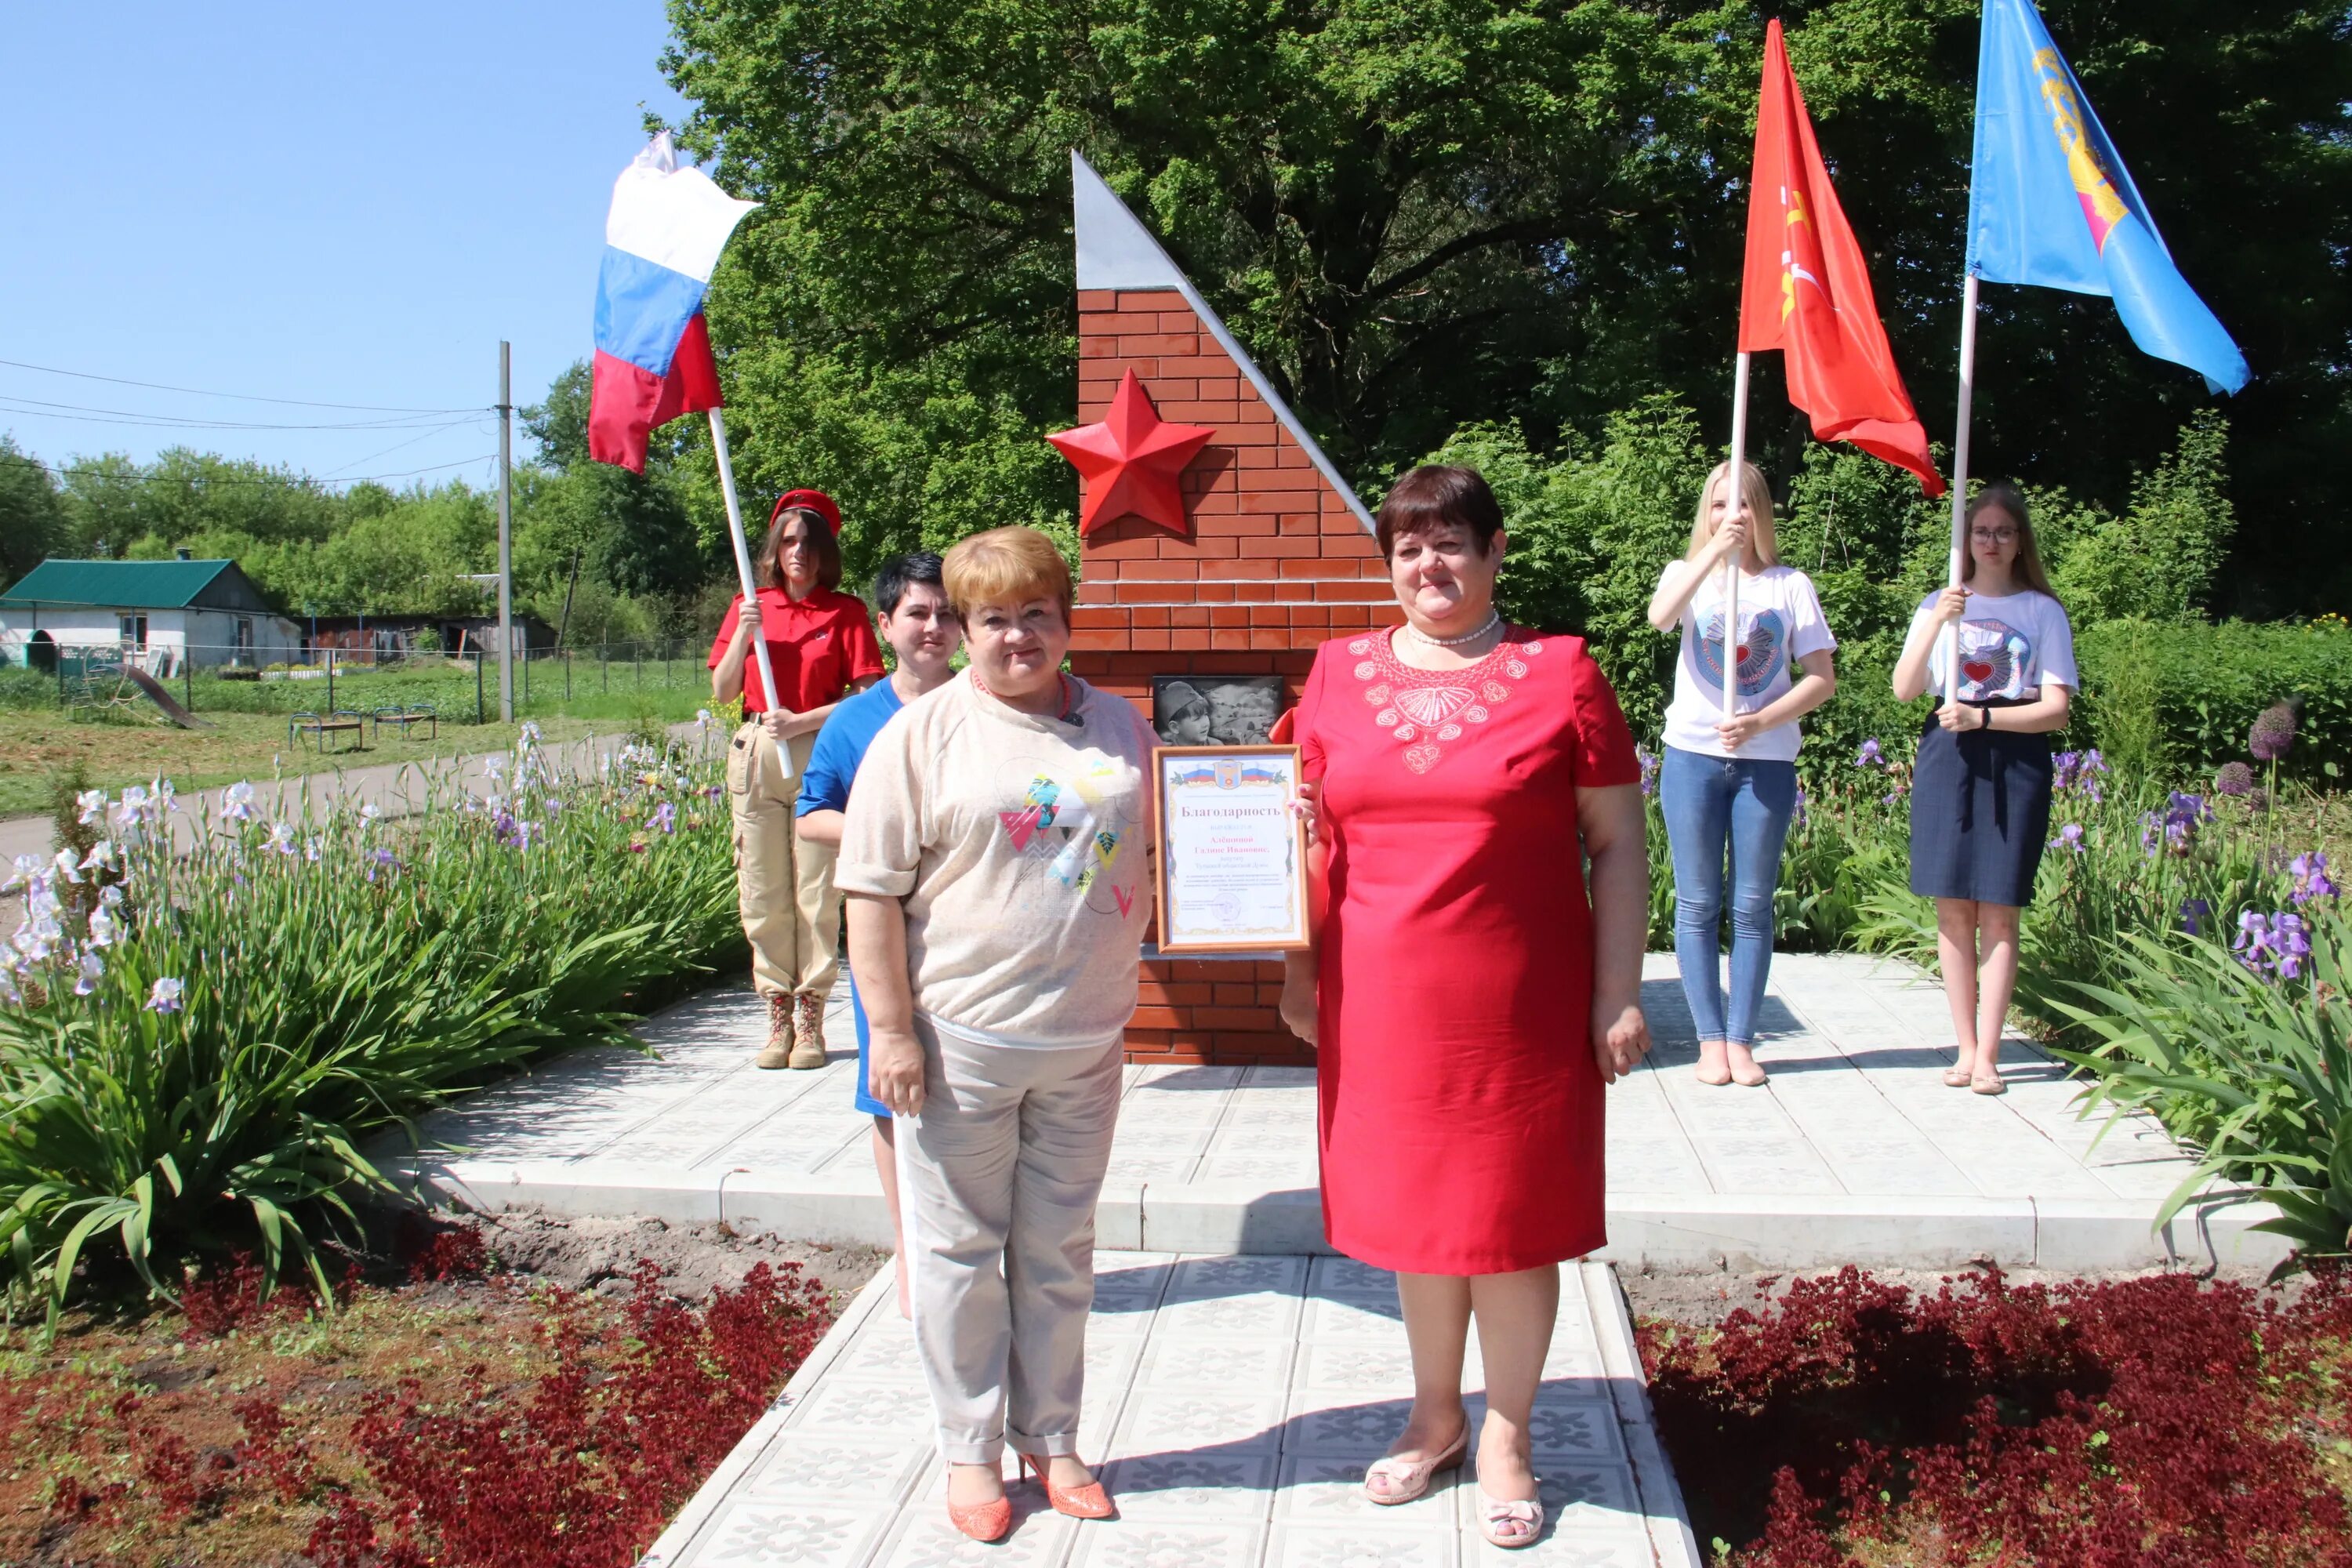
1466	1001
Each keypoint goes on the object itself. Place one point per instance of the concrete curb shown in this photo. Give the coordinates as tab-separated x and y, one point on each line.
1705	1230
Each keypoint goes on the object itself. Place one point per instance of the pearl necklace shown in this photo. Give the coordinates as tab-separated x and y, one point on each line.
1494	619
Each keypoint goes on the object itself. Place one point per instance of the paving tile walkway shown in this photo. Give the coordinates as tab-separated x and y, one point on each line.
1856	1152
1233	1402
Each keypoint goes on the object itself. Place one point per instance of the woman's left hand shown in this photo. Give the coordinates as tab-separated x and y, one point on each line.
1739	730
1620	1040
1959	718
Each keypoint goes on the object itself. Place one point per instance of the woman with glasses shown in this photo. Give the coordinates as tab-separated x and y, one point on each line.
1980	791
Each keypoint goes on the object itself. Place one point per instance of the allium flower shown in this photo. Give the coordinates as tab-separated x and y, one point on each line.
1872	755
2194	913
2310	879
103	929
165	996
2069	837
237	802
1649	762
92	970
665	817
93	805
2272	735
2235	779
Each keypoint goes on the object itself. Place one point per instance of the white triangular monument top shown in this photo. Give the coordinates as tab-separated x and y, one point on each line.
1116	251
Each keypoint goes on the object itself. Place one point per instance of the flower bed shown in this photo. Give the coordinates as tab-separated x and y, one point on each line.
485	1420
194	1046
2153	1423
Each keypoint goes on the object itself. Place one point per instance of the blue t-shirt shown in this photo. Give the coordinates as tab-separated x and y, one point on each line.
833	765
841	745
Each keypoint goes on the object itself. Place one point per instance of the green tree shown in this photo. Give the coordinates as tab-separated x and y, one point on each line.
32	517
1421	214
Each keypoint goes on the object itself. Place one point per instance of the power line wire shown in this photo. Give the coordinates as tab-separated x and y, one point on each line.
84	414
304	483
239	396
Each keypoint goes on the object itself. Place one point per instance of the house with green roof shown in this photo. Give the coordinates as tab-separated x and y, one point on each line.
165	614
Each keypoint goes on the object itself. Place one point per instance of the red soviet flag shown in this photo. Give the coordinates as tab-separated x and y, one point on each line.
1808	294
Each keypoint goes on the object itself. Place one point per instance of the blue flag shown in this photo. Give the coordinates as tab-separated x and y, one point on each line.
2052	204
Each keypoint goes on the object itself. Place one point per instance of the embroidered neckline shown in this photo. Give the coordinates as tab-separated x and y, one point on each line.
1427	709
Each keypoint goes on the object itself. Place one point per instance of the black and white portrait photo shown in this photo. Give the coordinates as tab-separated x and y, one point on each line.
1215	710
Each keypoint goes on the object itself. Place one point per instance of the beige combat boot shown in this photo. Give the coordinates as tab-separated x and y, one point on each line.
778	1051
808	1030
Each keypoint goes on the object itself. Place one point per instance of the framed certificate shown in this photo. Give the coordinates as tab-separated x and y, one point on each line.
1232	851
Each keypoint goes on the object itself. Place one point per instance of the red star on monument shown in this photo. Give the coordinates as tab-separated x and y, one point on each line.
1131	461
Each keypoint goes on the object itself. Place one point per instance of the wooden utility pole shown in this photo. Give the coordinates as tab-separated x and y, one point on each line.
506	533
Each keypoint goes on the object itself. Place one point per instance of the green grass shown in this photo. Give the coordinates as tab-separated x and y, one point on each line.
131	742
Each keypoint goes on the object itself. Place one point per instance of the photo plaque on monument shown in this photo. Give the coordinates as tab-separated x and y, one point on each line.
1215	710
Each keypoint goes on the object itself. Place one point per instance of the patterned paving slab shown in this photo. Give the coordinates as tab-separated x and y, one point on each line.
1233	1403
1855	1151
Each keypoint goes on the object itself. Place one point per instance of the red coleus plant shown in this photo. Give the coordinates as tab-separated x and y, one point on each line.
2135	1424
584	1472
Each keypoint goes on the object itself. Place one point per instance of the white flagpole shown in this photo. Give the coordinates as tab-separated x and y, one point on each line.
1733	493
1960	478
743	564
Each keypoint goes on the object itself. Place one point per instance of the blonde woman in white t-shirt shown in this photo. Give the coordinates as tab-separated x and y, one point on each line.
1728	788
996	856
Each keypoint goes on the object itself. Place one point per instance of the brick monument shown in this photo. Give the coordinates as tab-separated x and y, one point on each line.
1273	554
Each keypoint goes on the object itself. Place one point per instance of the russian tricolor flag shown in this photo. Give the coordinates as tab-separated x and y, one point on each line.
653	363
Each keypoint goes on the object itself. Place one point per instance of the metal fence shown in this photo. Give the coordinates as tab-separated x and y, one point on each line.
380	686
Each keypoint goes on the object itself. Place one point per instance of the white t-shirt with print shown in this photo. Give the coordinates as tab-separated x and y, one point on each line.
1780	622
1019	846
2009	647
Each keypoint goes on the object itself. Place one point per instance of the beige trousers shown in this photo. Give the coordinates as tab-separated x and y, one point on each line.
791	915
997	1183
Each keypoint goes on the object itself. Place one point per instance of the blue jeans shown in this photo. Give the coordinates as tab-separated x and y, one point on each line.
1720	809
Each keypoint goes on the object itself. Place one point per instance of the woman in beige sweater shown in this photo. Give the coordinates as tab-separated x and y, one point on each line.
995	857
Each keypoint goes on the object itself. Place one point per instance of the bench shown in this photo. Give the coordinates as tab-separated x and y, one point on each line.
408	715
318	726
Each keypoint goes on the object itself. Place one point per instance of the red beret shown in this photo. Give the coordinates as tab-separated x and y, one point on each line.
816	502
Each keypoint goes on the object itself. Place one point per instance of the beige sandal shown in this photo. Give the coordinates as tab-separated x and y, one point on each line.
1410	1479
1510	1525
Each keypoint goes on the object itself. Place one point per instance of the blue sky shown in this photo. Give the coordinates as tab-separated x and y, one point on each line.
346	203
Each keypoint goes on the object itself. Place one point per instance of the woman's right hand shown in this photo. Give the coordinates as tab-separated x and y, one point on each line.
1310	808
1950	604
1730	539
894	1069
1298	1010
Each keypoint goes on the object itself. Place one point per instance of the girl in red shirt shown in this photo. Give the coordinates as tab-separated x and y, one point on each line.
822	647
